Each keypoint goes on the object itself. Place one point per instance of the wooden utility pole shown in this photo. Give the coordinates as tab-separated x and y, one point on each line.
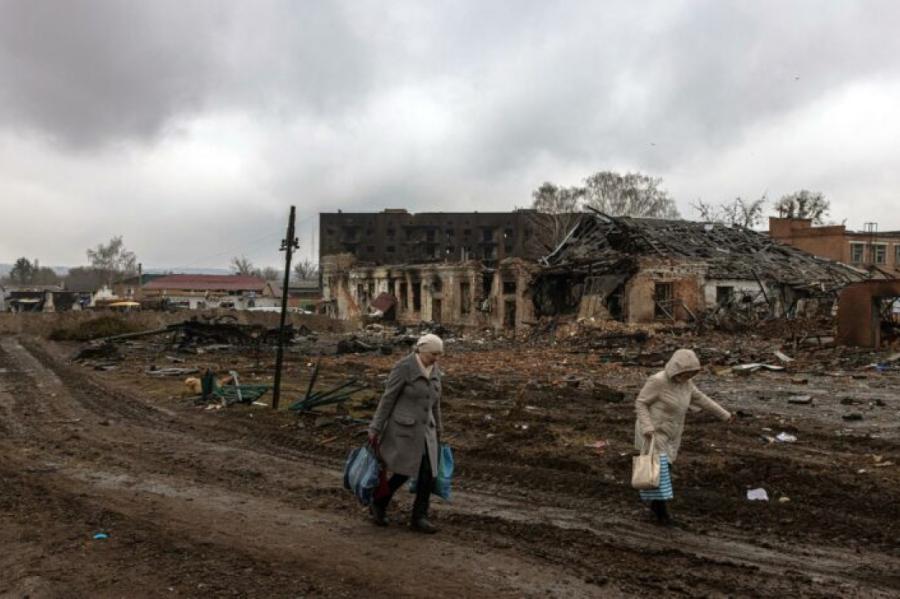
288	245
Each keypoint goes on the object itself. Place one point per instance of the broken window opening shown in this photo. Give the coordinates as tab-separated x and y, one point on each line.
404	296
429	236
724	295
663	294
509	314
614	306
856	252
437	285
465	297
509	287
487	234
487	281
417	296
436	310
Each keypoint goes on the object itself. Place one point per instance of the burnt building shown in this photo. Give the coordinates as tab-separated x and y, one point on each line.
467	269
395	236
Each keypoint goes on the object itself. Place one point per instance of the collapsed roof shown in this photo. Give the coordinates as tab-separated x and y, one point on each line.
600	243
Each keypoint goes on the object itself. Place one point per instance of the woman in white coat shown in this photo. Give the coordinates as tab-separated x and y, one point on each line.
661	407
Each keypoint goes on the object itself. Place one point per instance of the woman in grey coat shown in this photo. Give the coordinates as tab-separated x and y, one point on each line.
405	431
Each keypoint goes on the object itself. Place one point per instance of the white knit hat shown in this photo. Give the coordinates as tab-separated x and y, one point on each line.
430	343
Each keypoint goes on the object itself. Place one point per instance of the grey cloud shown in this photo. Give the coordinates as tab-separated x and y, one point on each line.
87	72
365	104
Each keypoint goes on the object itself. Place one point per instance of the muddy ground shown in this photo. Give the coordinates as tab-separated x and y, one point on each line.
245	501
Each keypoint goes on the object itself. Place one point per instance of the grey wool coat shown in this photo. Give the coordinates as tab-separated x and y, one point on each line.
408	418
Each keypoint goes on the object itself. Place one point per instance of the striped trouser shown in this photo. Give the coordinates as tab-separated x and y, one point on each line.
664	491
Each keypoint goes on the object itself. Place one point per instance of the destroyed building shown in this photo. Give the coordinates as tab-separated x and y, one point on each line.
642	270
467	269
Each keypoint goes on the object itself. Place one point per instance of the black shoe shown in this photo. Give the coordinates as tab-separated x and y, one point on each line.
423	525
661	511
378	513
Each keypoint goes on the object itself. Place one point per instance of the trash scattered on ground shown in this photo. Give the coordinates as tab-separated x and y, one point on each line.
599	445
757	495
100	536
783	357
785	438
784	499
173	371
800	399
852	416
335	395
749	368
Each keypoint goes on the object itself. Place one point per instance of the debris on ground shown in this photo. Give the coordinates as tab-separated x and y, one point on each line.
757	494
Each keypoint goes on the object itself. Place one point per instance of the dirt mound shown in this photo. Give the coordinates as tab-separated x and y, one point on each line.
105	326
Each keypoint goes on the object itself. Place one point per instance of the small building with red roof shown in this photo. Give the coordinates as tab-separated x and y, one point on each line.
199	292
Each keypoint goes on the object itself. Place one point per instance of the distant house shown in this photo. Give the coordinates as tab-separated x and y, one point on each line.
305	294
131	288
38	298
873	250
199	292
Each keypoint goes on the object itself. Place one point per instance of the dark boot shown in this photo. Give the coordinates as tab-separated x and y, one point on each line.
661	511
420	520
378	512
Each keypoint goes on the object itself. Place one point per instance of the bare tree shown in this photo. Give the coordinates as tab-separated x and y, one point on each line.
740	212
631	194
243	266
804	204
113	259
558	211
85	279
306	269
268	273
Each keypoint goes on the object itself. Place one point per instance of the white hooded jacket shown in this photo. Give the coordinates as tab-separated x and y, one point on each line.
663	403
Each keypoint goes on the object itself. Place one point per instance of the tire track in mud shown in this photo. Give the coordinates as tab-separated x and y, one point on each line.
574	540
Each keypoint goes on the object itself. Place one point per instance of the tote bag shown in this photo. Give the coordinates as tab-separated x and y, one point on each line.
645	469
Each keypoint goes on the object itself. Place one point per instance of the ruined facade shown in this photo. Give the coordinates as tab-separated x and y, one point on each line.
466	269
642	270
400	237
464	294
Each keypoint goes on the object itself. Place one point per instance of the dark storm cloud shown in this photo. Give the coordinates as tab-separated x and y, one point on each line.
230	110
87	71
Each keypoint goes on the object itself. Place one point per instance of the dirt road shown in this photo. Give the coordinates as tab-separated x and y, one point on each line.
240	504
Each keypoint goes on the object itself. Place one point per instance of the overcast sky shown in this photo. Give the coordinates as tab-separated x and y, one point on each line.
189	127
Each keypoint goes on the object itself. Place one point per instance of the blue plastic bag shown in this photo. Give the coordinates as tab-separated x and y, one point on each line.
361	474
444	476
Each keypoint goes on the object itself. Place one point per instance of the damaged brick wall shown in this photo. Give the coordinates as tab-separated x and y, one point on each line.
859	321
686	280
